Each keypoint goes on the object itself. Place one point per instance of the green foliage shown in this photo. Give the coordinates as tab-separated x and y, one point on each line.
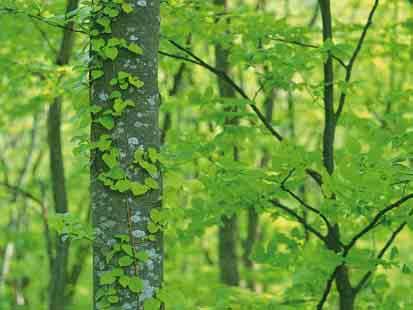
202	181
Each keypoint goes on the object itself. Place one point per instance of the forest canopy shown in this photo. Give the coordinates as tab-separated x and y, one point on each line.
206	154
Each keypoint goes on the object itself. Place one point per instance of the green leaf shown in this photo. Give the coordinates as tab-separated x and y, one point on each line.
97	74
114	42
138	189
104	143
122	237
138	155
153	154
150	168
122	186
135	285
107	122
152	304
125	261
119	106
152	227
127	249
151	183
135	48
156	215
111	52
127	8
142	256
110	12
123	75
406	269
111	158
113	299
135	81
115	94
107	278
124	281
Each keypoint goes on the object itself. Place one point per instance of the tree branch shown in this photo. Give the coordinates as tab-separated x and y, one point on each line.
41	19
22	192
383	251
327	290
301	201
291	212
375	220
349	67
294	42
224	76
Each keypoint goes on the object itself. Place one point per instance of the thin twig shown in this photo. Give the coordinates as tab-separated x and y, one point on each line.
238	89
299	218
375	220
294	42
353	58
327	290
301	201
383	251
41	19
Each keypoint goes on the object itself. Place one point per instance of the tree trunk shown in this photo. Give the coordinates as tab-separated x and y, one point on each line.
58	278
125	177
342	279
228	260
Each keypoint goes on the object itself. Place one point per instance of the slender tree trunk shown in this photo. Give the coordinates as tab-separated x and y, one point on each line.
342	279
227	248
60	262
122	206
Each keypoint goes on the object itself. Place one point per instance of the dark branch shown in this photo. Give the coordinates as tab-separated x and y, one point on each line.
223	75
383	251
291	212
301	201
294	42
41	19
327	290
375	220
22	192
349	67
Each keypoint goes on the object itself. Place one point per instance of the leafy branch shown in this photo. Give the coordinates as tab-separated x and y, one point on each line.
299	218
9	10
301	201
198	61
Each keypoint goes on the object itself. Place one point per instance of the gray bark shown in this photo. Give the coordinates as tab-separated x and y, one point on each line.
137	127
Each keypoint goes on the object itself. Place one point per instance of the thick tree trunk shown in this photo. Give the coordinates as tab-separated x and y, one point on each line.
122	215
58	278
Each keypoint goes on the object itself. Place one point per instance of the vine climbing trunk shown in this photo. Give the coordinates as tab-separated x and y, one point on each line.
58	279
125	135
227	235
